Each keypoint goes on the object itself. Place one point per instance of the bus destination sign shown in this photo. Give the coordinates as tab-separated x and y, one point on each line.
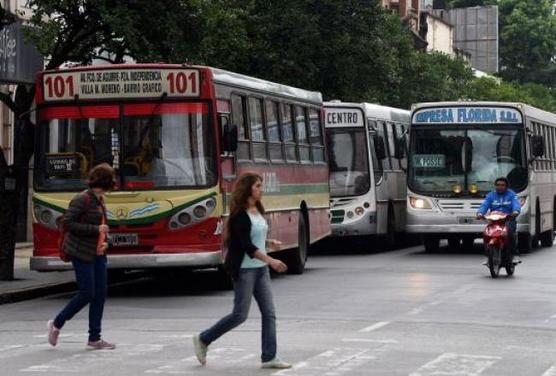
343	117
467	115
121	83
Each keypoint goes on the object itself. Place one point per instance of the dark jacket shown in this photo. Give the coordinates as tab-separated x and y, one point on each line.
81	222
239	242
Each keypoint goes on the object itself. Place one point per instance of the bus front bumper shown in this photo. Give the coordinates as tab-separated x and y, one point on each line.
137	261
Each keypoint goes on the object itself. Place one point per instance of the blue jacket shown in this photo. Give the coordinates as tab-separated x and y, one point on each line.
506	203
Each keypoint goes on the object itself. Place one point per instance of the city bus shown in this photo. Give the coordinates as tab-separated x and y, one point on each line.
178	137
367	162
456	152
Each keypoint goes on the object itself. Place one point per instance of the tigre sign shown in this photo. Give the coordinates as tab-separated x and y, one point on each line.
120	83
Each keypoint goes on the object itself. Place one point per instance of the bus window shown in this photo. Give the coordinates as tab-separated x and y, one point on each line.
238	119
273	128
301	131
382	133
315	135
377	165
401	146
257	130
287	132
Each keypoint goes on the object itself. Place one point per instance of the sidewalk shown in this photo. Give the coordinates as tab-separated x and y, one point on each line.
29	284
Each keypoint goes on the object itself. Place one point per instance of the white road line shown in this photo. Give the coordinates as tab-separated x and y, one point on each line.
333	362
88	360
369	340
550	372
450	295
457	364
376	326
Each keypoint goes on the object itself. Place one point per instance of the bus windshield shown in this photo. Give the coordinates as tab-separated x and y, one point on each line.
348	161
443	159
148	147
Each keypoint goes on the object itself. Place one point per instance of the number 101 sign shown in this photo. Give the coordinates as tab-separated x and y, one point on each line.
120	83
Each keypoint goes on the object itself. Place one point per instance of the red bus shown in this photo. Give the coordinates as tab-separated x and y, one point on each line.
178	137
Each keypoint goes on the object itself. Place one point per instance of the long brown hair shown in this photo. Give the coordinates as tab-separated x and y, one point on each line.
240	199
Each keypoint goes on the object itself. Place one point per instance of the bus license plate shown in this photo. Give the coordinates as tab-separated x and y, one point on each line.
122	240
468	221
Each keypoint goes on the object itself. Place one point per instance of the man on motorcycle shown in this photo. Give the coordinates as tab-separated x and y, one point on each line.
504	200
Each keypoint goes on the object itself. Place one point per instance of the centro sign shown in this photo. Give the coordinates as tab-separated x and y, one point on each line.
343	117
120	83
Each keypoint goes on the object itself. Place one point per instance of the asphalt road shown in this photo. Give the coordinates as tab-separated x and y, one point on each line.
401	312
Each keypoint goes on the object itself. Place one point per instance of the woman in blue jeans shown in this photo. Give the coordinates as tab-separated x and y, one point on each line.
247	262
85	227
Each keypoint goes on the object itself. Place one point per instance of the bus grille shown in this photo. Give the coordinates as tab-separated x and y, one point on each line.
454	205
341	201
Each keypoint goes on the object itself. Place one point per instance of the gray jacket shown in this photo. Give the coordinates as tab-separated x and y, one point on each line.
81	222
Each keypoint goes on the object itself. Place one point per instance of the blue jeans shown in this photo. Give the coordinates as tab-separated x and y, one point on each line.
92	282
251	282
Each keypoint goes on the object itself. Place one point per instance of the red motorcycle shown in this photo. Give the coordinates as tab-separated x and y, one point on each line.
496	240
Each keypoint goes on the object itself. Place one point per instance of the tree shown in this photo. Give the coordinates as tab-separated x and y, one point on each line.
80	31
470	3
528	41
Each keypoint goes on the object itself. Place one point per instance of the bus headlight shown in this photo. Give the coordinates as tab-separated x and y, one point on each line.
193	214
473	189
359	210
419	203
456	188
46	216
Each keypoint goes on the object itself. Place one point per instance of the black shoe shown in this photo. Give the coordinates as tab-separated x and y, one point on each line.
516	260
485	263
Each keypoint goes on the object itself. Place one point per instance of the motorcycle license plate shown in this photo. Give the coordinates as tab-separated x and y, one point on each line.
468	221
123	240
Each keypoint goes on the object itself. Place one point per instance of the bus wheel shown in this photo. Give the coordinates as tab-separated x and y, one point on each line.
297	258
391	237
525	242
431	243
547	238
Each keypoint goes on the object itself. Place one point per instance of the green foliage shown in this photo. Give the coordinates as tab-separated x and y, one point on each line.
470	3
528	41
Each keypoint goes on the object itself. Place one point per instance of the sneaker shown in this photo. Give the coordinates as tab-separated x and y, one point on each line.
53	333
516	260
100	345
200	349
485	263
276	363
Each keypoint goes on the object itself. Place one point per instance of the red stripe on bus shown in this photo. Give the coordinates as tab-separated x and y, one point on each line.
74	112
165	108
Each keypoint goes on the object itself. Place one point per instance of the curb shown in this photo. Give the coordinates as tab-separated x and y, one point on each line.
36	292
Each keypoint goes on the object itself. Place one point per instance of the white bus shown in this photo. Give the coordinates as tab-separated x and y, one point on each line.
456	152
367	166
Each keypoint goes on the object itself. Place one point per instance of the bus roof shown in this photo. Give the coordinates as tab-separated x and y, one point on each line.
257	84
375	111
219	76
528	111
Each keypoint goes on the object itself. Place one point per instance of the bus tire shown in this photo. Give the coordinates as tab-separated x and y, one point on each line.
525	242
391	236
468	243
431	243
297	257
547	238
454	243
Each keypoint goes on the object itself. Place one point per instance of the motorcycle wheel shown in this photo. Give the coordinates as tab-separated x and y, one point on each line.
510	267
493	262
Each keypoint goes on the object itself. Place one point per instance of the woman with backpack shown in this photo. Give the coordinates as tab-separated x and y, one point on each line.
85	242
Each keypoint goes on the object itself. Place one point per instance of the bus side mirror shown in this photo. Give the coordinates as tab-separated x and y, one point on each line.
229	134
380	149
537	146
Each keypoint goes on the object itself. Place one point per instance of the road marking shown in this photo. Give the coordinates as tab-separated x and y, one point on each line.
330	363
550	372
88	360
369	340
376	326
455	293
218	357
457	364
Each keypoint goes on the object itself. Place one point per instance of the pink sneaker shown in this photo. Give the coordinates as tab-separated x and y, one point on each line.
53	333
100	345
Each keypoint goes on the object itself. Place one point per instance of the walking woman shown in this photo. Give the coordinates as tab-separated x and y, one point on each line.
247	262
86	230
